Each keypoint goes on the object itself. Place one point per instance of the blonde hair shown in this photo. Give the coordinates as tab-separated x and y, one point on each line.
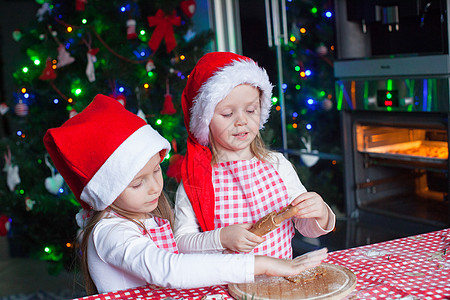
163	210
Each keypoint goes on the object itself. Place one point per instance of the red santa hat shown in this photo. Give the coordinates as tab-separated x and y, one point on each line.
101	149
212	79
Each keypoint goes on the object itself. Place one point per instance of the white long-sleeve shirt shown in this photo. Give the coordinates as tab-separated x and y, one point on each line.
121	257
190	238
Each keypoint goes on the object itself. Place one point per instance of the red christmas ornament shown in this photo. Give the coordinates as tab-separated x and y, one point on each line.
174	145
188	7
164	30
5	224
168	108
48	72
174	169
80	5
93	51
131	29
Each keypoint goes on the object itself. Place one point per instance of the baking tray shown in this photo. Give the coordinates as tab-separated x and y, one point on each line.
383	151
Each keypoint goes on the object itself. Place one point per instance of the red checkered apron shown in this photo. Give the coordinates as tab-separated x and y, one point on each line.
163	235
245	191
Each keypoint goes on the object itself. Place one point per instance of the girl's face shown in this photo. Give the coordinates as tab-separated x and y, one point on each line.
235	123
141	195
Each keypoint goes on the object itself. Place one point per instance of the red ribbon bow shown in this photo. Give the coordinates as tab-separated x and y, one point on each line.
164	29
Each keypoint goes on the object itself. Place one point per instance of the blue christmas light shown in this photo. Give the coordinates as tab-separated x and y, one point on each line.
308	72
123	9
26	95
310	101
142	51
308	126
19	132
284	86
61	190
328	14
121	89
295	115
56	101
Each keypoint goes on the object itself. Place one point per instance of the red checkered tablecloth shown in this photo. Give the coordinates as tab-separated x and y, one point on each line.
145	292
416	267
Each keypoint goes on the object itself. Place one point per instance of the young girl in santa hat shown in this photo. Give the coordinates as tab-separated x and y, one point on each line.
229	179
110	158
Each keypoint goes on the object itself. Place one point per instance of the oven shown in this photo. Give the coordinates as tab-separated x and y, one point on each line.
394	104
396	148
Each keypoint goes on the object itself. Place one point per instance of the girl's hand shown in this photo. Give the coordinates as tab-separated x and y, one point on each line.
311	205
270	266
236	237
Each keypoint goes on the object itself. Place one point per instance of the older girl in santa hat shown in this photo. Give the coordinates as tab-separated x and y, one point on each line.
229	179
110	159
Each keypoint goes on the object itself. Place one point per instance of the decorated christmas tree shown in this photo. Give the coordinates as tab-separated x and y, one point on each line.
138	52
312	119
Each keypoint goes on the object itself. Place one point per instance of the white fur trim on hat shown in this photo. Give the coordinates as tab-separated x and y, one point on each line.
120	168
218	86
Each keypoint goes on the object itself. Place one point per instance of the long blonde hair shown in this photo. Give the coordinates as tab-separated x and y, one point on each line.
163	210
